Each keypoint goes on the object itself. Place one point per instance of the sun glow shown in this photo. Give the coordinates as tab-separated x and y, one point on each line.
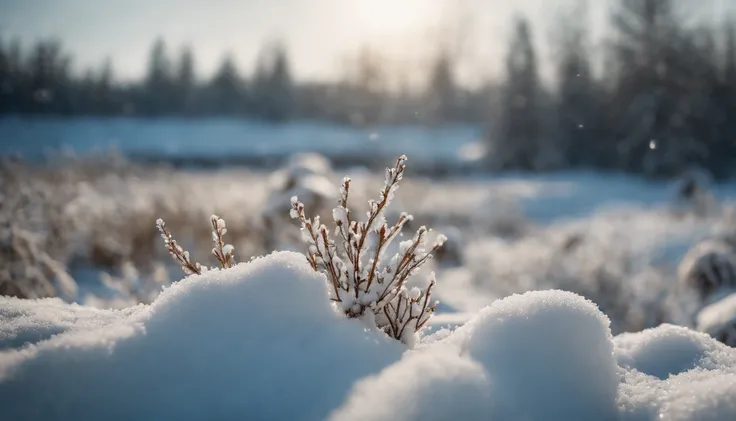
392	18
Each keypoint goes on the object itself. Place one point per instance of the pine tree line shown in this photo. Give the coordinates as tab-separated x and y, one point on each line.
665	102
40	82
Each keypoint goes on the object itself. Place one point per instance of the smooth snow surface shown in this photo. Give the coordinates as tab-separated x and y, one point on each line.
550	356
259	341
538	356
262	341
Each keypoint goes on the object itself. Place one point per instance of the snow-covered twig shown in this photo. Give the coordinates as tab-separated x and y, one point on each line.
180	255
222	252
364	282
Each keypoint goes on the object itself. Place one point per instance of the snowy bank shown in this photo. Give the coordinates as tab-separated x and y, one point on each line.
262	341
550	356
538	356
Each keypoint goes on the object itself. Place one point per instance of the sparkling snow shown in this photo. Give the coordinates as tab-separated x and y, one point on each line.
262	341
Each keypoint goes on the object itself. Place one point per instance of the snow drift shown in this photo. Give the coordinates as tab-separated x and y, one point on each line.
262	341
550	356
537	356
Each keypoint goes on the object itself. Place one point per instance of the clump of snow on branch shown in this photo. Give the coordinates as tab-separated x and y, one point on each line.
365	283
222	252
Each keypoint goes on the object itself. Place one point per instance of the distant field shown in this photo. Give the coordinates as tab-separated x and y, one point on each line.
222	141
615	239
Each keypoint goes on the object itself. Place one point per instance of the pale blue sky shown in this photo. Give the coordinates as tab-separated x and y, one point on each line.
317	32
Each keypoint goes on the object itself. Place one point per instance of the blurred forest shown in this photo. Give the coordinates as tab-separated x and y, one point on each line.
665	102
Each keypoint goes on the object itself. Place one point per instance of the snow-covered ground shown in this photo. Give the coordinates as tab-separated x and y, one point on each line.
612	238
263	341
236	141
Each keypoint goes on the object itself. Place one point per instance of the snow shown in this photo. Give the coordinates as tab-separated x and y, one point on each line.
31	321
538	356
671	350
692	396
545	347
423	386
719	320
622	259
236	345
237	140
260	339
550	356
674	373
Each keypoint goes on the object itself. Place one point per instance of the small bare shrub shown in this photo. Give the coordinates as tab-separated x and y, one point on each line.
222	252
366	284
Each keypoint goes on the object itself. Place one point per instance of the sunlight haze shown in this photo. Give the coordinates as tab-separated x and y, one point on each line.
319	34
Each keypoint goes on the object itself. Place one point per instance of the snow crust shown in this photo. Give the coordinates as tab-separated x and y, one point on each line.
32	321
262	341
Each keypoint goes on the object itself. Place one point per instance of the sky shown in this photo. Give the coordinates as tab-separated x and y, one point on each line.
319	34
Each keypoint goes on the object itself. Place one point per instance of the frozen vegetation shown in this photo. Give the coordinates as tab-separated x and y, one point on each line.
81	230
113	332
262	340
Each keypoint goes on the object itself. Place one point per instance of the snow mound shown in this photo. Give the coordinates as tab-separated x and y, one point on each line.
423	386
537	356
673	373
261	339
550	356
545	347
670	350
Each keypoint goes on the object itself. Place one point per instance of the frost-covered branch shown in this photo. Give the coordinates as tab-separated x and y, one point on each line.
222	252
365	283
177	253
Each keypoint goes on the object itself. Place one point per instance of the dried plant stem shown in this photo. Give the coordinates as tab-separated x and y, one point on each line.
222	252
177	253
365	282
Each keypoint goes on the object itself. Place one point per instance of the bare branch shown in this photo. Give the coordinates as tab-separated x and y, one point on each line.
375	284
